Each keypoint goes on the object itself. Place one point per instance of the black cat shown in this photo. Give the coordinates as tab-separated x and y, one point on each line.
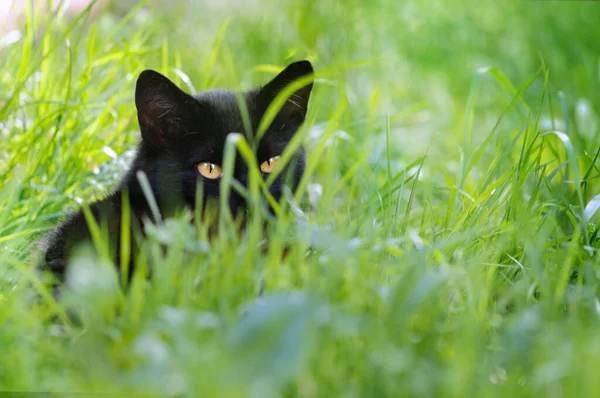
183	138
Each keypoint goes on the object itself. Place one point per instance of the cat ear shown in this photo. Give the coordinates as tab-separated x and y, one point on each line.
296	105
159	104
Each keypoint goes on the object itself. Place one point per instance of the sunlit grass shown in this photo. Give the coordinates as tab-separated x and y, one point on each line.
447	239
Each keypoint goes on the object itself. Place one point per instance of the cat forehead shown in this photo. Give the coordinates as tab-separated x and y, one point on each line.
223	109
221	102
222	99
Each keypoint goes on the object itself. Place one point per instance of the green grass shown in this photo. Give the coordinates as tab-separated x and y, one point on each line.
449	240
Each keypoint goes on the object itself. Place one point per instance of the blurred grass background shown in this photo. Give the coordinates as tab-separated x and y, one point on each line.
450	215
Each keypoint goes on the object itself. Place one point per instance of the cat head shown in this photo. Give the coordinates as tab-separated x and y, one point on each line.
184	136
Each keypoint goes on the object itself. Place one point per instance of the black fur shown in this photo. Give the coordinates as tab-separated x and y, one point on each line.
178	132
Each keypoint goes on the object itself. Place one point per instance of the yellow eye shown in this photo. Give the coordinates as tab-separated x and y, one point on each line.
209	170
268	165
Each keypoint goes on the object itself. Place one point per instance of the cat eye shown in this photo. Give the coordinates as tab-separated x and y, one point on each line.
268	165
209	170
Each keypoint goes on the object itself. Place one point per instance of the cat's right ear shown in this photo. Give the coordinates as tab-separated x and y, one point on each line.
159	104
296	106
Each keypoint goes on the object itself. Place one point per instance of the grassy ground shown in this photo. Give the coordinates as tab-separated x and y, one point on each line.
451	205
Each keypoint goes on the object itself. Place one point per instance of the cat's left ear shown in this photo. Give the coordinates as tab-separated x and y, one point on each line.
296	104
161	106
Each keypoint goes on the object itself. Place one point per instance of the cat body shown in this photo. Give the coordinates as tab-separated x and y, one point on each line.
183	139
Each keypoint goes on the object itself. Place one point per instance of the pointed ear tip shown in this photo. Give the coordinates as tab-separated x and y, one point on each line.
303	66
149	83
147	75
